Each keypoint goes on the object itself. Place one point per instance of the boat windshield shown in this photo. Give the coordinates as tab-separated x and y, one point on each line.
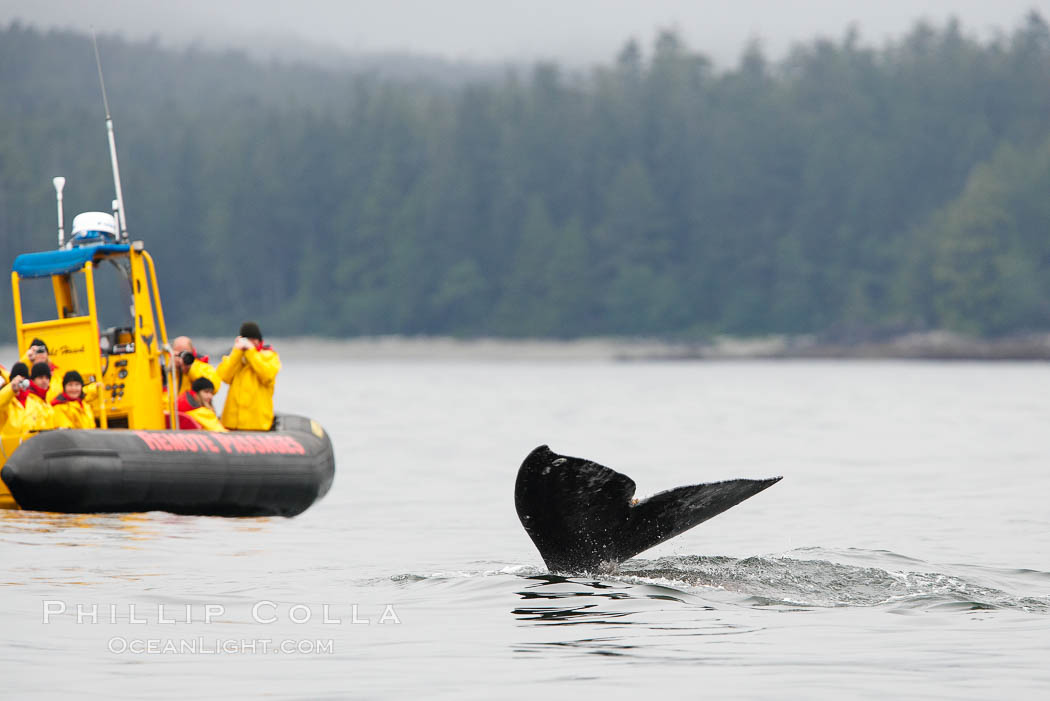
112	295
38	299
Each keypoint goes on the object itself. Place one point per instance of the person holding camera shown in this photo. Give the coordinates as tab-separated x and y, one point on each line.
196	403
38	353
191	366
28	411
71	409
251	372
13	401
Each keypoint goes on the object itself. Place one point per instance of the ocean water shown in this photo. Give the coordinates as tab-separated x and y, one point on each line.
906	553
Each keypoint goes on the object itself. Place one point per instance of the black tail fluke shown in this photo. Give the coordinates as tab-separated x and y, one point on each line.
581	517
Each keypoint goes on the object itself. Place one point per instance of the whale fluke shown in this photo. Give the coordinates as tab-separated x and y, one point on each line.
581	517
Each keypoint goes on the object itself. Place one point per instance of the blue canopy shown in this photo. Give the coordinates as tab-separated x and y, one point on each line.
64	261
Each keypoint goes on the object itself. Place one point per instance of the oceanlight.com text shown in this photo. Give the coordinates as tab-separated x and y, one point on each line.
120	645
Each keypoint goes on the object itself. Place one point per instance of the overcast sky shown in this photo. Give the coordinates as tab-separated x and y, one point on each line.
574	31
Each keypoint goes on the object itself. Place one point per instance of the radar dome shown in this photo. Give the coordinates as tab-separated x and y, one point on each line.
93	228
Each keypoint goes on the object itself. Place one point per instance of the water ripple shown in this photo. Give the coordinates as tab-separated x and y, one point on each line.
793	582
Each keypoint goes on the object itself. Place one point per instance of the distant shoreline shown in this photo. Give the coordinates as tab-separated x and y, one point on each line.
932	345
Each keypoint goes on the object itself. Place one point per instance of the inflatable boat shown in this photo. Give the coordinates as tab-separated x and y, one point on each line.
137	459
244	473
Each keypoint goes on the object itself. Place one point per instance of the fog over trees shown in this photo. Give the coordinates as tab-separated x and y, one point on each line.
843	190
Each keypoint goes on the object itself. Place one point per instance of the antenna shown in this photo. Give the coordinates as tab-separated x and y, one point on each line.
60	183
122	222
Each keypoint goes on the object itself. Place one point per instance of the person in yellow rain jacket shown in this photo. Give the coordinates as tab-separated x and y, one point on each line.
38	353
71	409
196	403
251	371
12	406
38	415
189	365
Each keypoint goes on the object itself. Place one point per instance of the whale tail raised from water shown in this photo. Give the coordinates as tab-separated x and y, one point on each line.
581	517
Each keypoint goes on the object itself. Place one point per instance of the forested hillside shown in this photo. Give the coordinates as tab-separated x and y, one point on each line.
844	190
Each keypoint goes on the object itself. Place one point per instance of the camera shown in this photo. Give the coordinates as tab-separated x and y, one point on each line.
187	358
23	384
